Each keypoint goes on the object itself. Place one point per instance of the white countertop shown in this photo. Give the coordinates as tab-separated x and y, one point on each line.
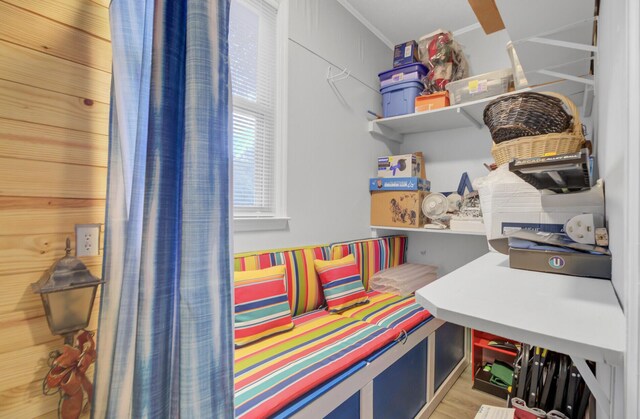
573	315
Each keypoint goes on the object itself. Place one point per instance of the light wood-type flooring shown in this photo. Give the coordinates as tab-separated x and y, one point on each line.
463	402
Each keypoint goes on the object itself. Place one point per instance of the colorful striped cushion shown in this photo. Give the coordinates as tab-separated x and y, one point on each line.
303	286
390	311
341	283
272	373
373	255
261	305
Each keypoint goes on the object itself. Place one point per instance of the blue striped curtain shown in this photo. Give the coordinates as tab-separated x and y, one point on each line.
165	337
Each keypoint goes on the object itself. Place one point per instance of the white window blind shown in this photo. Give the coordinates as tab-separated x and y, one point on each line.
252	55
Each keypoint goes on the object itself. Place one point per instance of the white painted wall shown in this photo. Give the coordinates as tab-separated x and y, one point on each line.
617	146
632	246
447	155
331	155
485	52
611	126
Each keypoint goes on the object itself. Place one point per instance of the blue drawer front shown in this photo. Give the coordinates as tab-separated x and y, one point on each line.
315	393
350	409
401	390
449	350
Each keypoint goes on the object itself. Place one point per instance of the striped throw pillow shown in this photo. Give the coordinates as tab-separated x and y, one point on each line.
303	285
261	306
373	255
341	283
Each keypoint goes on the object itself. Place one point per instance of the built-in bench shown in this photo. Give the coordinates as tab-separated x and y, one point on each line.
387	358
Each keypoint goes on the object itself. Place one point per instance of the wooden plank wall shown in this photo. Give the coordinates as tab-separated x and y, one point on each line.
55	75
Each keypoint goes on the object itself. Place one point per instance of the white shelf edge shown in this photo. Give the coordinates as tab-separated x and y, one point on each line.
429	230
378	129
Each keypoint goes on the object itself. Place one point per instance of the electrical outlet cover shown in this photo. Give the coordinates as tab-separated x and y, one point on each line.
87	239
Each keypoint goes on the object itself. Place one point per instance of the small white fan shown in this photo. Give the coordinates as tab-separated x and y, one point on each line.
435	207
455	202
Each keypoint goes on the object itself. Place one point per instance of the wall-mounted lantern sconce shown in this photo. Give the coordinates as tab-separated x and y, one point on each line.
67	290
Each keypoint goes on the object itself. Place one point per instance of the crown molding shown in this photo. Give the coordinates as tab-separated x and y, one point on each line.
374	30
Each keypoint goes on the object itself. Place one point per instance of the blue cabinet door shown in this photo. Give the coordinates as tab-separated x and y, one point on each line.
349	409
401	390
449	351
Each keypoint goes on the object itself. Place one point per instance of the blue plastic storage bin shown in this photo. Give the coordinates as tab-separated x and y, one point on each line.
409	72
400	98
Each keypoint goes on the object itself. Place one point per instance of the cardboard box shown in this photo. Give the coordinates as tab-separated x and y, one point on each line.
483	383
399	184
460	223
432	102
404	165
405	53
510	203
578	264
397	209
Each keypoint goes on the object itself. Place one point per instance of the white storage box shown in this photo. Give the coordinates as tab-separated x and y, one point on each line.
479	87
508	203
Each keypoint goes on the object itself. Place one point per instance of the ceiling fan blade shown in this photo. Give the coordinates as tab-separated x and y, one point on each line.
488	15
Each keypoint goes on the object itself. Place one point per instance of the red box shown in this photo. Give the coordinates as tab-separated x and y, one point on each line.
431	102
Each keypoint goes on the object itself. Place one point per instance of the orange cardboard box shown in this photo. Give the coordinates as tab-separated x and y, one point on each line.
432	101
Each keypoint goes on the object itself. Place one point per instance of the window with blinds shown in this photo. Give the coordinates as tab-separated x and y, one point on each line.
252	55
